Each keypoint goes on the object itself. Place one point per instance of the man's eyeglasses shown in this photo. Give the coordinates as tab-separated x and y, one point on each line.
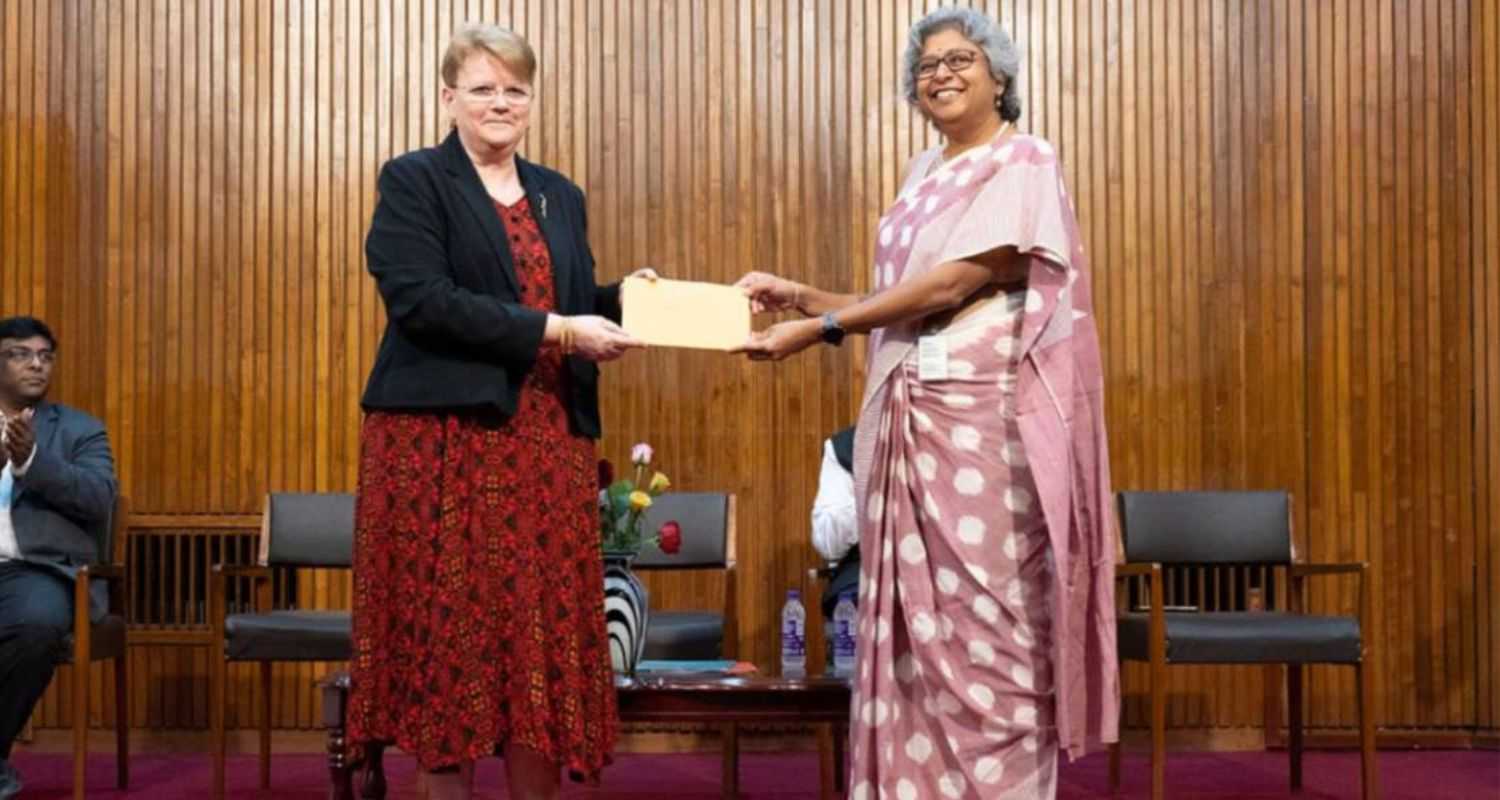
486	94
21	356
957	61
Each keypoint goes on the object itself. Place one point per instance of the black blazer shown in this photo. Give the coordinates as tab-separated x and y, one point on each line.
457	337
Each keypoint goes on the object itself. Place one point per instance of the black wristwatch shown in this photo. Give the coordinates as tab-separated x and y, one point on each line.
833	332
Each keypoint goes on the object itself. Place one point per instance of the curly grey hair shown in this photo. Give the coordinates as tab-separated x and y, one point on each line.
986	34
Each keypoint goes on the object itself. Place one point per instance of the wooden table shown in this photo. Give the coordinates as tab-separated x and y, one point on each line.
723	700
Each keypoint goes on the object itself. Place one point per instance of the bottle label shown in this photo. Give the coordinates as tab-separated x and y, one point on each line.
792	643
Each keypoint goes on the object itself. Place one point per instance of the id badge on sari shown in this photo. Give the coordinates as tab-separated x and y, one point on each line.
932	358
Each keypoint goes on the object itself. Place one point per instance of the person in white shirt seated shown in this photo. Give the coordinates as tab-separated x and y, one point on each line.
835	526
57	489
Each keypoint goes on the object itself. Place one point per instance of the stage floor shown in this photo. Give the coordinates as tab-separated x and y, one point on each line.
1405	775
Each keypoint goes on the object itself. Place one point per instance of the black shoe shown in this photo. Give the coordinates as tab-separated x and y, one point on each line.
10	780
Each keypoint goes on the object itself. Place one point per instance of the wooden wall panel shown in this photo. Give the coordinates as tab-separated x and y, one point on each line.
1292	211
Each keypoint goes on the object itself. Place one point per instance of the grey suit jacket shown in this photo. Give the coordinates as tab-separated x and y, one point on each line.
60	508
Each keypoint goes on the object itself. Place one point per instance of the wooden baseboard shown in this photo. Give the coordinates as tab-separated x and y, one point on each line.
1388	739
247	742
1209	739
60	740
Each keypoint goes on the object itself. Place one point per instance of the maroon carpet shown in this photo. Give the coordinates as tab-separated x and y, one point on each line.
1426	775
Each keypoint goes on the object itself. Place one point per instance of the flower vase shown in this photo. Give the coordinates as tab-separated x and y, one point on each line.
627	610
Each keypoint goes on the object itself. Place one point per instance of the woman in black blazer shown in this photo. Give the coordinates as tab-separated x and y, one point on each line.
478	586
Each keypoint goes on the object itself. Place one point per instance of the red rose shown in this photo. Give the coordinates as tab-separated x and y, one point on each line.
669	538
606	473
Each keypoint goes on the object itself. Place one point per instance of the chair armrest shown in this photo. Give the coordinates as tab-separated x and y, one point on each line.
1361	569
1353	568
109	572
1156	615
1139	569
218	588
114	574
242	571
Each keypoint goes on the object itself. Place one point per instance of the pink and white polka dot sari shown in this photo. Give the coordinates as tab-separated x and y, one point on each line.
986	612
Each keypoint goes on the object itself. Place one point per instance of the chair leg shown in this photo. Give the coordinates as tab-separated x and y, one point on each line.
1158	730
219	677
265	725
1369	777
80	720
1294	722
122	720
1114	767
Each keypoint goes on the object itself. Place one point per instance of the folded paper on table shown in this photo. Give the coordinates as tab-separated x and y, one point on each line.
709	316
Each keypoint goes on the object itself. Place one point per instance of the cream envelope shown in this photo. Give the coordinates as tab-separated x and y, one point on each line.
709	316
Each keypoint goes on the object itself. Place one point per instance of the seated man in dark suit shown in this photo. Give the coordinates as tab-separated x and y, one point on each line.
835	524
57	488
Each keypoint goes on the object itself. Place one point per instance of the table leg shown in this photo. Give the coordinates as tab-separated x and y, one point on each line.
340	770
825	762
731	745
840	769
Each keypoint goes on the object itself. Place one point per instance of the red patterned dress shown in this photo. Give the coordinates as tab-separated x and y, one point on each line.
478	586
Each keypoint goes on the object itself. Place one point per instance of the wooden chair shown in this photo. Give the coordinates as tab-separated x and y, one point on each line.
99	640
1235	529
297	530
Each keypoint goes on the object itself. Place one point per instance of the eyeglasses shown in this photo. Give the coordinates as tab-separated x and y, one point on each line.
485	94
21	356
957	61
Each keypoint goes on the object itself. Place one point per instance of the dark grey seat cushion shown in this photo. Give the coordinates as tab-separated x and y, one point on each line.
1250	637
684	635
287	636
106	639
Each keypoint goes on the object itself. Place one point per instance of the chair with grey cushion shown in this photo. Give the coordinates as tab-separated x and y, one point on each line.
708	531
297	530
1239	529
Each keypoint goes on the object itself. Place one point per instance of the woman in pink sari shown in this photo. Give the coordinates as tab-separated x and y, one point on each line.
986	632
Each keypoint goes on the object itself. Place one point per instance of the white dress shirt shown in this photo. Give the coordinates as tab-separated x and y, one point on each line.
835	528
9	547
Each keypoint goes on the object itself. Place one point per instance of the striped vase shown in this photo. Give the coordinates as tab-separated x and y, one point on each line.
627	609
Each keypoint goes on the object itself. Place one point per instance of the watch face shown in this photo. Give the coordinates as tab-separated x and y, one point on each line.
832	333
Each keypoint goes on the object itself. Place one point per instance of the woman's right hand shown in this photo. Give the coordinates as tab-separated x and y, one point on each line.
598	339
769	293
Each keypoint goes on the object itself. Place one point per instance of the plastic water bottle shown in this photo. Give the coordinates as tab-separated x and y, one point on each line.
793	636
843	635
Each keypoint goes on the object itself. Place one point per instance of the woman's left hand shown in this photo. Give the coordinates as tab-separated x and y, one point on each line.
781	340
645	272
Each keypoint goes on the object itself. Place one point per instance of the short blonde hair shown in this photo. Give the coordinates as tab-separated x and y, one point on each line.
509	47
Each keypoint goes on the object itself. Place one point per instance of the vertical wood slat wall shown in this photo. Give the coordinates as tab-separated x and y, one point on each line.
1293	212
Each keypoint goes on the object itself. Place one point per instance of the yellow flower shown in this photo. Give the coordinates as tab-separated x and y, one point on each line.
639	500
659	484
